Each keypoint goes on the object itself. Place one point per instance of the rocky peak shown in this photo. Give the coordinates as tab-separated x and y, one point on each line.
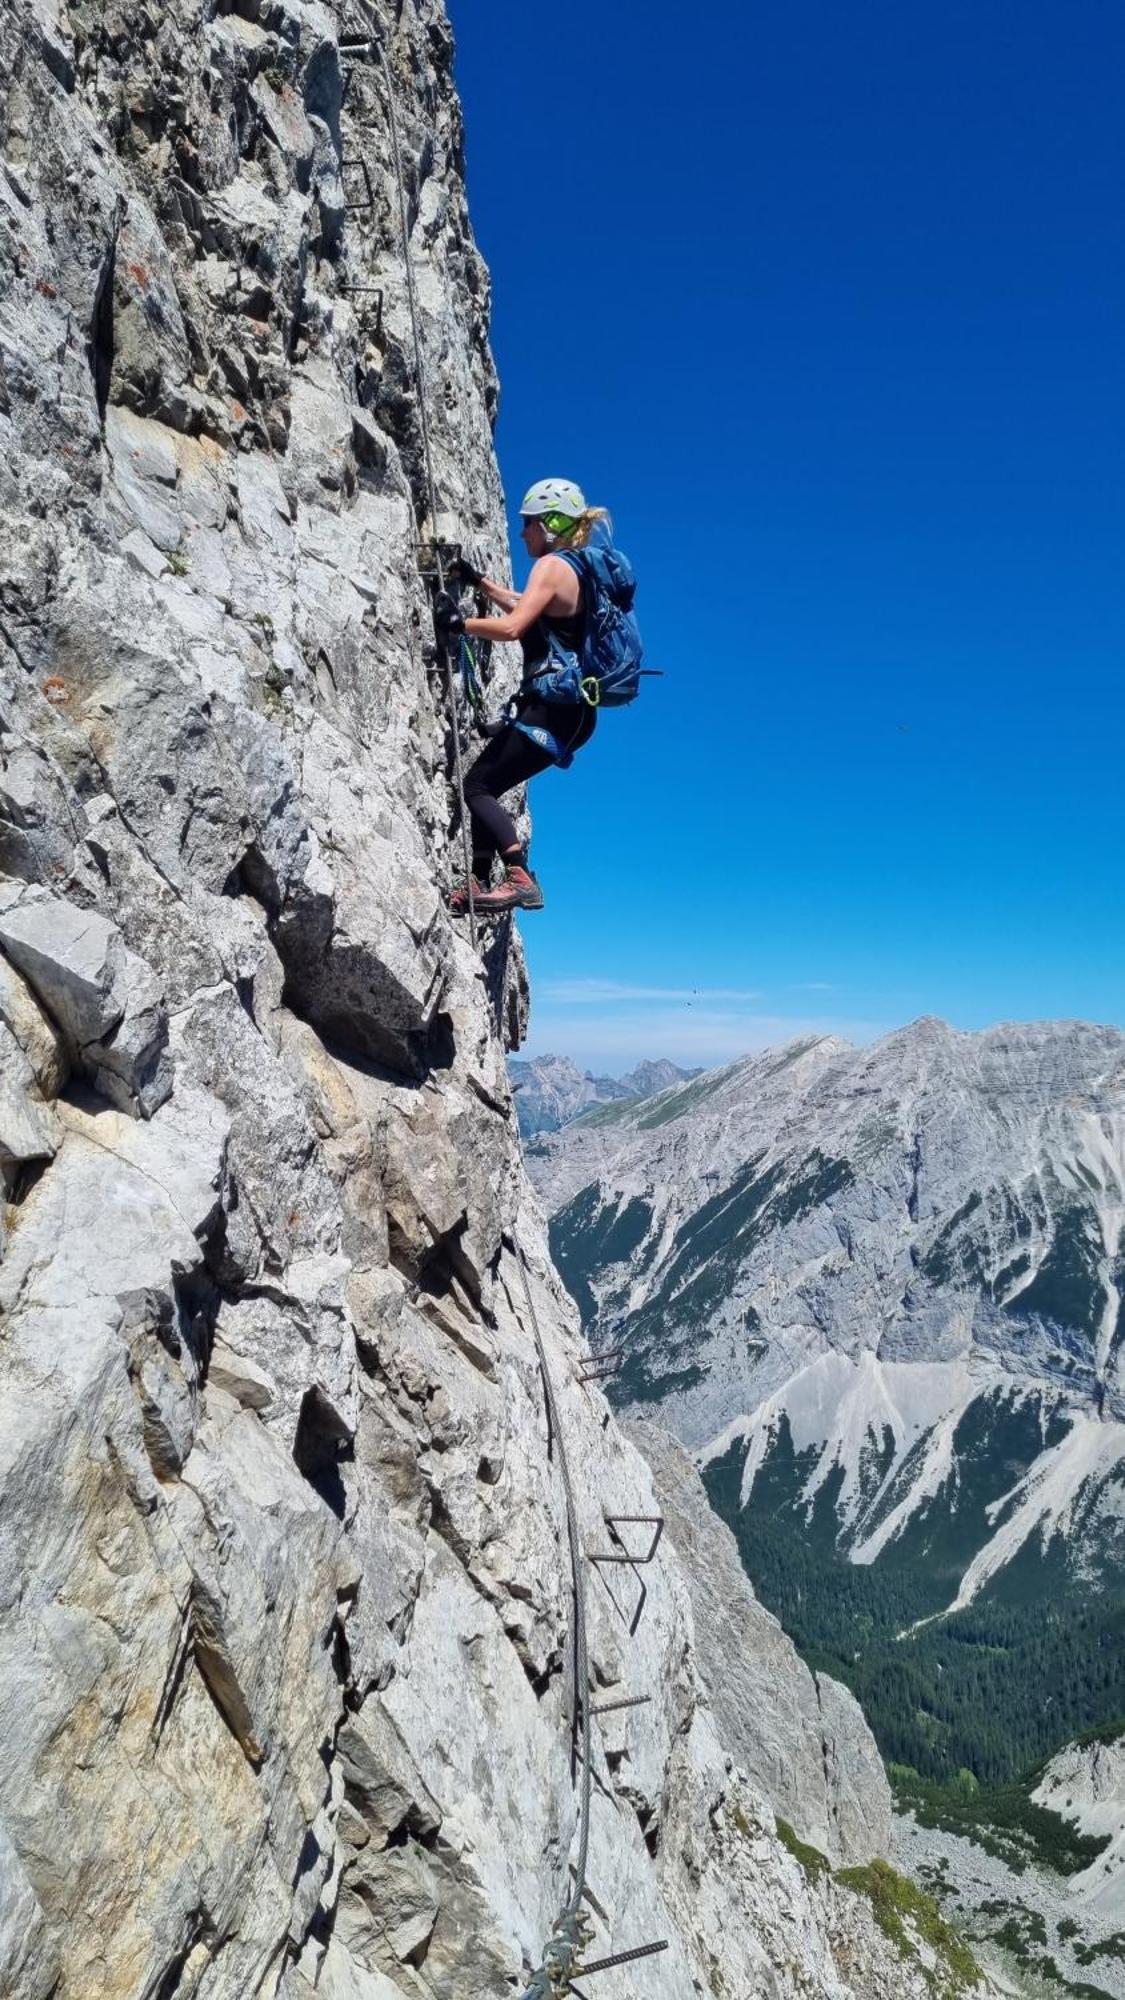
551	1090
649	1077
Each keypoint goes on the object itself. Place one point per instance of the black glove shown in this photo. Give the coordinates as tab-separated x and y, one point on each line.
448	616
463	571
491	729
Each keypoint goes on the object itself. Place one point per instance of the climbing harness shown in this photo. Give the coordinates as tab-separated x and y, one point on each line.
545	739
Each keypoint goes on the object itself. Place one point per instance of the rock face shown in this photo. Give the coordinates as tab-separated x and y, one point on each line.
284	1605
107	1004
1085	1785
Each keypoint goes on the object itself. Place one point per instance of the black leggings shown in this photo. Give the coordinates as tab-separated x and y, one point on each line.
510	760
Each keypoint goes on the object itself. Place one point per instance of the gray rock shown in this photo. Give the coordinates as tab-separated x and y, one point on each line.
131	1065
144	474
28	1128
37	822
29	1957
72	959
144	554
33	1031
382	1786
240	1377
105	1000
342	1979
151	350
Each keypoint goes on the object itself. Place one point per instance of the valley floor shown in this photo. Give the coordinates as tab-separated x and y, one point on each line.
1044	1939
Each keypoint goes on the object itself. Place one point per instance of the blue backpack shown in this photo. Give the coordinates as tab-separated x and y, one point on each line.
606	669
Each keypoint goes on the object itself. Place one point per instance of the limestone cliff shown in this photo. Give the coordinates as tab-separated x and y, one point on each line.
284	1606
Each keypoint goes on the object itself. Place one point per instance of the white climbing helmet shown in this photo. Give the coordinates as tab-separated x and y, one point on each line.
553	496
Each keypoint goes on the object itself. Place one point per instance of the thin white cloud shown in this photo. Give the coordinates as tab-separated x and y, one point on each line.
615	1040
612	992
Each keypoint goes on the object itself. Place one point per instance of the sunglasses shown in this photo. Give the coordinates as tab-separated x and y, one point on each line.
555	524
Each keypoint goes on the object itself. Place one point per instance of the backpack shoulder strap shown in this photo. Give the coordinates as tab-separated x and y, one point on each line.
574	559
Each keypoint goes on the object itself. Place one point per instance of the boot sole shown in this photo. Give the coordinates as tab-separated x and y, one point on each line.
505	909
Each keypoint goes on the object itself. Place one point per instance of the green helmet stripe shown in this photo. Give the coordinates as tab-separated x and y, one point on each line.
553	496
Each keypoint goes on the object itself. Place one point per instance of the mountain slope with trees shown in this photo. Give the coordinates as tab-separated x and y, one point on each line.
879	1294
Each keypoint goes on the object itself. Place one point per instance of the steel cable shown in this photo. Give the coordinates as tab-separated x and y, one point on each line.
583	1716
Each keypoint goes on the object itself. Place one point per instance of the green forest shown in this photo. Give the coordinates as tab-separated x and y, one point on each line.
967	1703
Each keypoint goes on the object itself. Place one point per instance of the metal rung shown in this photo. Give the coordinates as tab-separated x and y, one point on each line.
621	1554
605	1557
621	1958
368	200
596	1367
434	558
626	1701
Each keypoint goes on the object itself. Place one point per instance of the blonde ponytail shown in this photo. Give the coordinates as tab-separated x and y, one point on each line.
578	536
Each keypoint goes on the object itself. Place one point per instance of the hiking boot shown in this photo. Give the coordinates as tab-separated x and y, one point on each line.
459	897
519	890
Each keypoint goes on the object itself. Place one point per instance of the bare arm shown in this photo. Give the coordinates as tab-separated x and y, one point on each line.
499	593
542	590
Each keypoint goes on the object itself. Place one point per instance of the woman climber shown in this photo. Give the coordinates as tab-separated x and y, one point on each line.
538	731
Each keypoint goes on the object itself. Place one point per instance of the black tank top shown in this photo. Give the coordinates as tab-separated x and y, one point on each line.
572	722
568	631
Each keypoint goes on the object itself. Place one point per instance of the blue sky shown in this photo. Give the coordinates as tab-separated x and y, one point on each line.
827	303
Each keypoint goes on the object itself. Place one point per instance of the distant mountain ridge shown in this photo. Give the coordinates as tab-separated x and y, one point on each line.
552	1090
880	1293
